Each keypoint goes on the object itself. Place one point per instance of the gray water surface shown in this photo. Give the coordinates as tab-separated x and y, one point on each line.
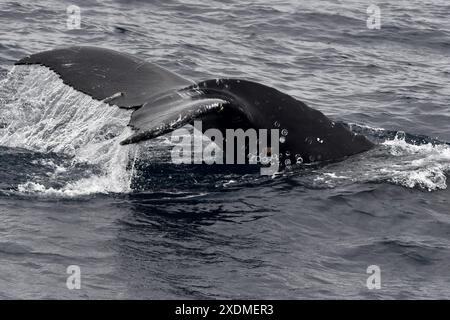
68	198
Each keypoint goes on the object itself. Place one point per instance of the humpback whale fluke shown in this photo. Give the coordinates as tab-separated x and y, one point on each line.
165	101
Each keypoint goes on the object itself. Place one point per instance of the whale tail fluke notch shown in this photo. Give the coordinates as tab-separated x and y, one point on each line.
166	101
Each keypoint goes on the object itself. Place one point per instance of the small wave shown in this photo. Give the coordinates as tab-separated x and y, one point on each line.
14	248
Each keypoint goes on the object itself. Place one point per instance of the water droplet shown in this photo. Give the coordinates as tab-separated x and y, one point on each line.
284	132
287	162
298	159
282	139
288	153
311	158
276	124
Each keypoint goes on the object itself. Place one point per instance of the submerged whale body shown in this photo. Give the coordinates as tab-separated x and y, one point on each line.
164	101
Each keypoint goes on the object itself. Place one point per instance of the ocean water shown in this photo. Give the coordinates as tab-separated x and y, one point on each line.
139	227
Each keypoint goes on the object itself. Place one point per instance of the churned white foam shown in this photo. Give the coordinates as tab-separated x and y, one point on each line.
395	161
40	113
422	166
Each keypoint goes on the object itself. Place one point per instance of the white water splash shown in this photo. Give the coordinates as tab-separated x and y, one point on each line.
40	113
421	166
395	161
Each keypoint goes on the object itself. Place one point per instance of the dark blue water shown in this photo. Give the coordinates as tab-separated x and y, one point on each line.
140	227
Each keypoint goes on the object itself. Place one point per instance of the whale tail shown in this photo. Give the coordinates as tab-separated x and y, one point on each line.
165	101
